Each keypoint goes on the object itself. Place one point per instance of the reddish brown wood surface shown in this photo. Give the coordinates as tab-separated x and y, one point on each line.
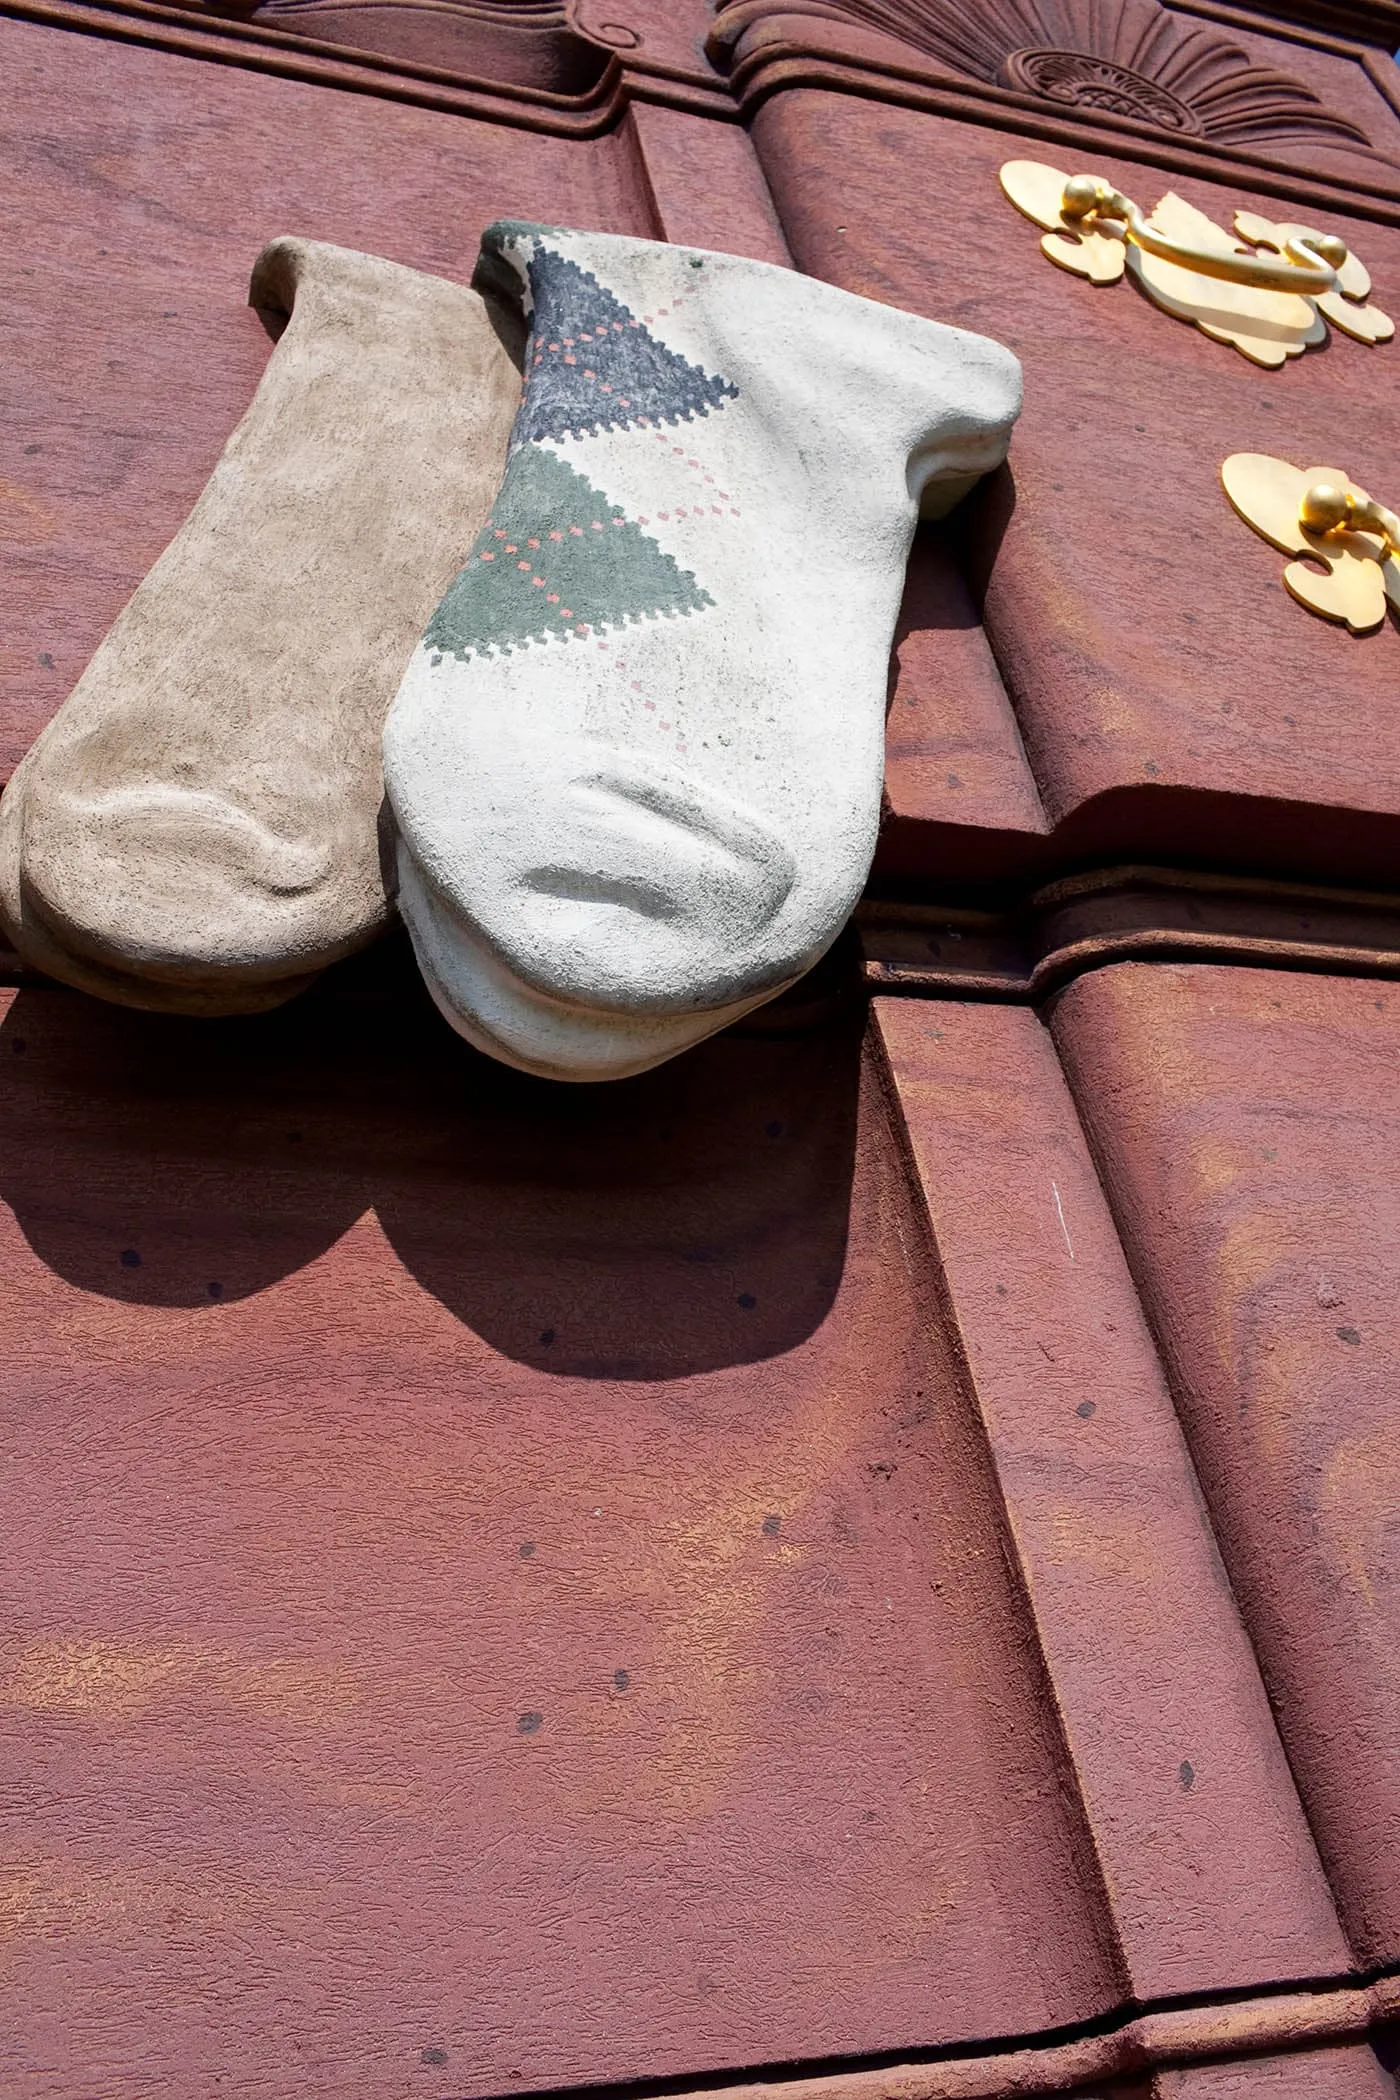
702	184
1350	2073
499	1571
1247	1123
510	1587
960	800
1210	1868
1173	700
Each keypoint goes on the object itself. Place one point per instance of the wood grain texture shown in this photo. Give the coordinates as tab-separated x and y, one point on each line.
1247	1124
139	189
1211	1871
501	1586
1173	701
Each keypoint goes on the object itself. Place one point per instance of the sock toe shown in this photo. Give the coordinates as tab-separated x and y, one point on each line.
188	887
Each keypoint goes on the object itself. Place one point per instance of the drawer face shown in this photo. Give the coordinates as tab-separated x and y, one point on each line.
1248	1126
496	1569
1173	699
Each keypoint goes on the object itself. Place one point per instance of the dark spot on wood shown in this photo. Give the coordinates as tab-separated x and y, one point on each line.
1187	1775
1085	1409
747	1300
621	1679
216	1290
1349	1334
527	1550
772	1526
45	659
30	450
19	1046
433	2056
130	1258
1001	1290
546	1338
530	1724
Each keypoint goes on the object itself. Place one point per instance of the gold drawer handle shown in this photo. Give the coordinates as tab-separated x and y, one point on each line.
1312	260
1329	508
1269	305
1349	540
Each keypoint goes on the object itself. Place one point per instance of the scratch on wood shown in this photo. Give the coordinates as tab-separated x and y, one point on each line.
1060	1214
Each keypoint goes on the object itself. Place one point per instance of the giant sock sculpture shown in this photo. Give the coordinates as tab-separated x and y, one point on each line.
635	764
198	827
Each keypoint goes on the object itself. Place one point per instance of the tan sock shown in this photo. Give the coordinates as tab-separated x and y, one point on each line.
197	828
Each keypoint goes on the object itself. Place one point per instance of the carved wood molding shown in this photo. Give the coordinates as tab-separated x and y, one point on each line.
1168	85
1029	949
1377	20
1124	58
524	43
269	42
1272	2025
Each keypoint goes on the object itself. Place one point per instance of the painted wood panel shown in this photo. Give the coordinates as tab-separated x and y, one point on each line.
503	1585
1210	1868
1248	1128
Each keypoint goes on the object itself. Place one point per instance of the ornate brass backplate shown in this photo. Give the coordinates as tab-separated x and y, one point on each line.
1270	299
1349	540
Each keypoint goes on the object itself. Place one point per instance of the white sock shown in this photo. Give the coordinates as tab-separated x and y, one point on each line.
636	762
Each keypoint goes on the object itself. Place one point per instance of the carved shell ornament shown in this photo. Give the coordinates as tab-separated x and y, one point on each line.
1269	289
1124	58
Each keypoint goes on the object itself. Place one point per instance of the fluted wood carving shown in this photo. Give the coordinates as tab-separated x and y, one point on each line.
1129	58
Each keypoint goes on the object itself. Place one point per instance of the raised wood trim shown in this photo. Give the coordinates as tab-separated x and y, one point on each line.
1271	2026
1027	949
261	48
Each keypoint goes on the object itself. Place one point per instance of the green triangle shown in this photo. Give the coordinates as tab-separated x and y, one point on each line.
555	558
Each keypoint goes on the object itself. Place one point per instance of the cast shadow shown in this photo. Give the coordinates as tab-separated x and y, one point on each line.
936	592
163	1161
976	529
652	1228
